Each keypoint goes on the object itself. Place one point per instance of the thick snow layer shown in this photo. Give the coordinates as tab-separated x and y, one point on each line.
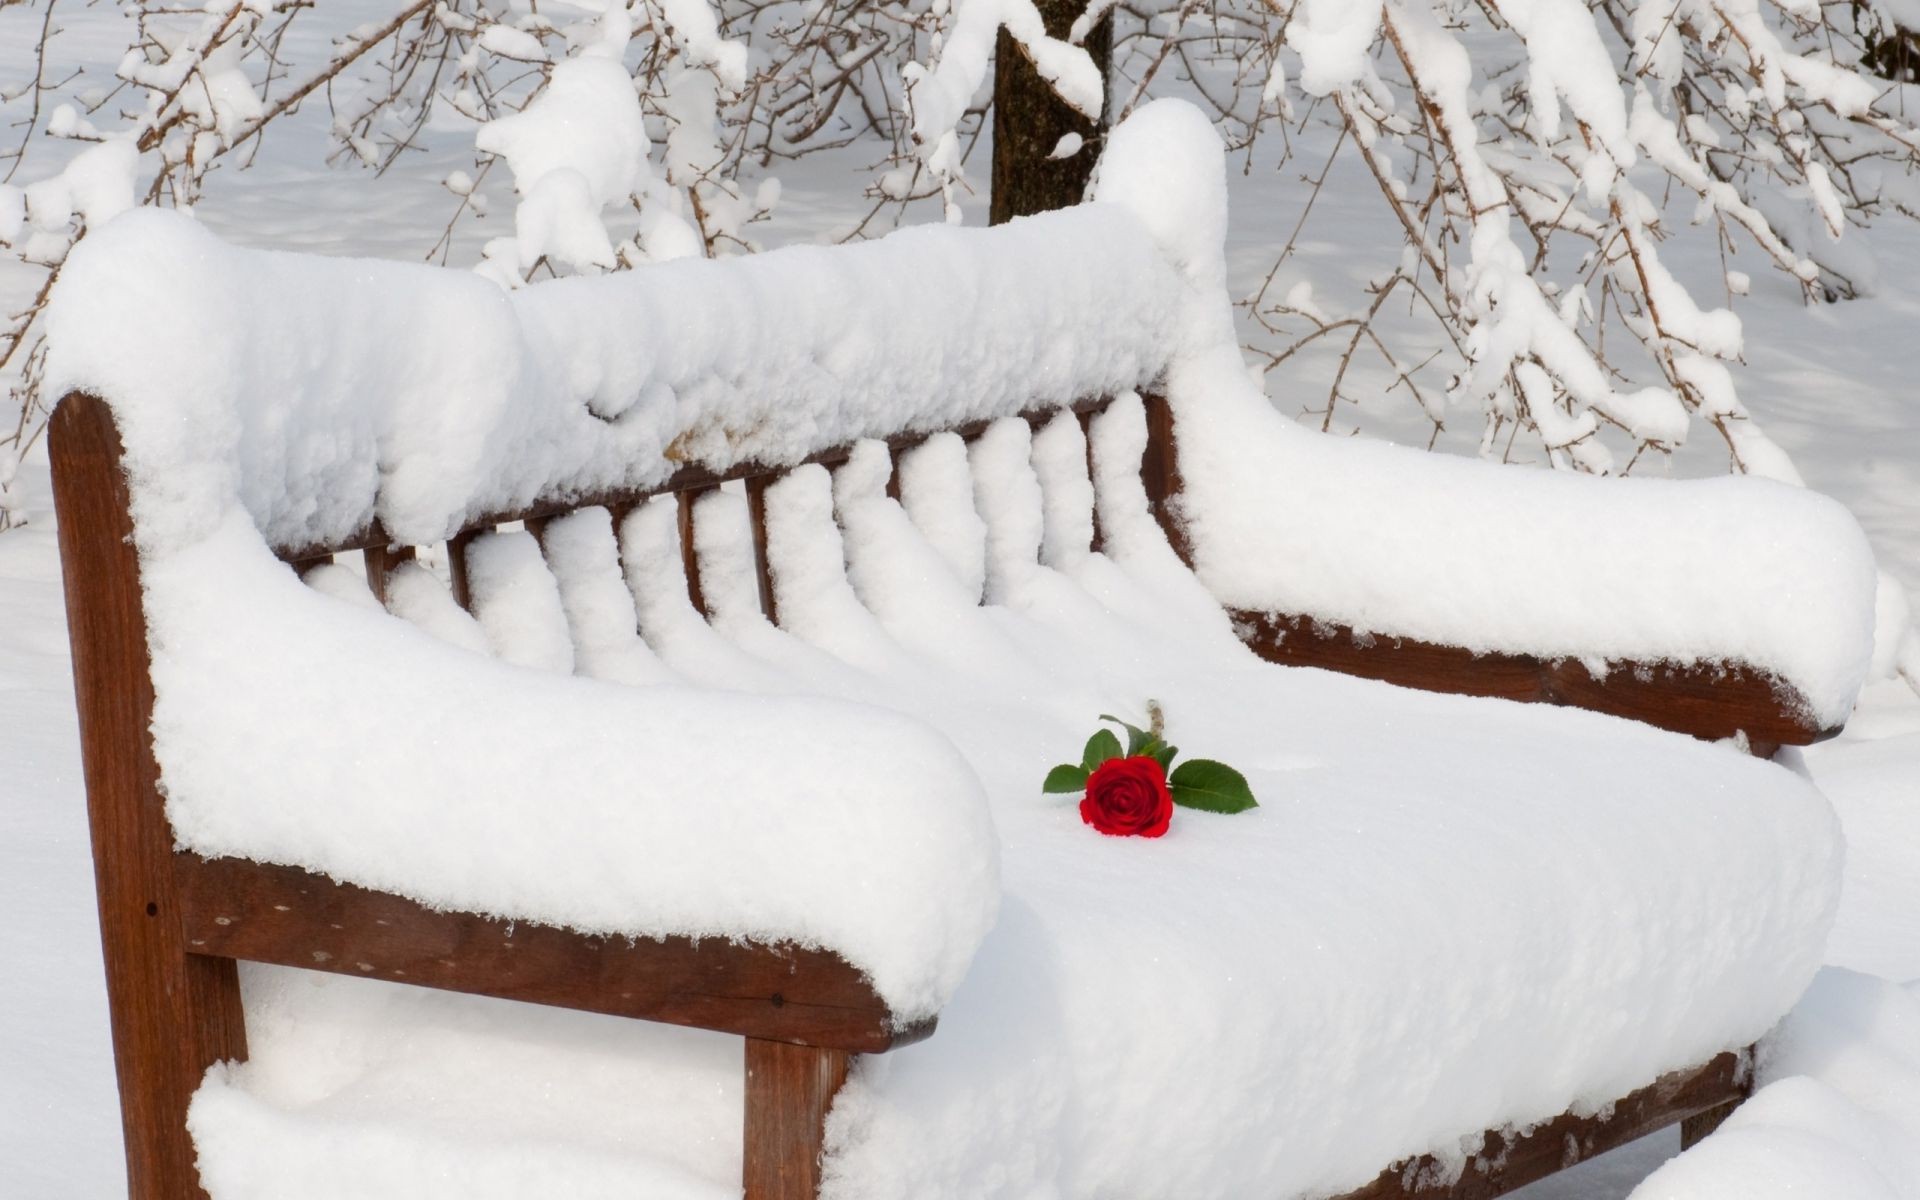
320	391
1396	541
470	784
1384	959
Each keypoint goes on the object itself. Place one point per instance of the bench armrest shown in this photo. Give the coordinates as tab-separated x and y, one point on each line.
1711	607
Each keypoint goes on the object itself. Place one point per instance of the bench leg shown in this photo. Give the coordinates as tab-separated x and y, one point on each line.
789	1089
174	1013
1694	1129
170	1023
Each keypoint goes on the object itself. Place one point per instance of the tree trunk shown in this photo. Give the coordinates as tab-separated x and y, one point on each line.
1029	121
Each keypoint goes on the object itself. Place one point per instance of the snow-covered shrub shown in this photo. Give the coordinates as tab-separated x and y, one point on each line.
1532	154
632	131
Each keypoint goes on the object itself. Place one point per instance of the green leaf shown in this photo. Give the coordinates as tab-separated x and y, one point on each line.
1138	739
1165	754
1100	747
1066	778
1213	787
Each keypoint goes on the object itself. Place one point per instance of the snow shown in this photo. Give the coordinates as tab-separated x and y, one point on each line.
1401	880
434	396
1280	529
563	815
433	1086
517	602
590	383
1838	1112
577	148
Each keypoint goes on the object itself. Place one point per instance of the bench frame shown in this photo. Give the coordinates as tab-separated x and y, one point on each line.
173	925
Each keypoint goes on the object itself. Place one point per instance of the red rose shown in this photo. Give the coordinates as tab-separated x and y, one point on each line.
1128	797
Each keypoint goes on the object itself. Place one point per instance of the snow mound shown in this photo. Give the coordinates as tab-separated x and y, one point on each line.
1838	1113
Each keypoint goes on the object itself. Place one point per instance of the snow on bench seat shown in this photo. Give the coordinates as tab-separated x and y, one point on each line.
1447	915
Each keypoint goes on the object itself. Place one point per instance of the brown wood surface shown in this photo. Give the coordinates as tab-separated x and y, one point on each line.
173	1014
265	913
381	559
1160	473
1708	701
1698	1127
757	520
458	582
1510	1161
789	1090
1093	476
689	556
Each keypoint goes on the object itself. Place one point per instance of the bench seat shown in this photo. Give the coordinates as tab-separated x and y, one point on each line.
722	664
1448	915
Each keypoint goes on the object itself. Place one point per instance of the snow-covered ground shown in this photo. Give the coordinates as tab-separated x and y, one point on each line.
1833	385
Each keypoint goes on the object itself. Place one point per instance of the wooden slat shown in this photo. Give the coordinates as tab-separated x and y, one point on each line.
381	560
173	1013
1511	1161
274	914
457	580
757	520
688	478
1093	477
1160	473
1701	1125
689	554
1707	701
789	1090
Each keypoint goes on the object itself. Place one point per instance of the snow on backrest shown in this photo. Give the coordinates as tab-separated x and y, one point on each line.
324	392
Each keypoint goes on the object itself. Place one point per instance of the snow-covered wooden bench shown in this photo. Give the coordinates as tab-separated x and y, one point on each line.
275	776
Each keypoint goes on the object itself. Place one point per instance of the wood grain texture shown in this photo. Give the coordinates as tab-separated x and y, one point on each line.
1696	1128
173	1013
1708	701
789	1090
274	914
757	521
1511	1161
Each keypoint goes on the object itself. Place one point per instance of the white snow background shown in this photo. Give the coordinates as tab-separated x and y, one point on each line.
1834	385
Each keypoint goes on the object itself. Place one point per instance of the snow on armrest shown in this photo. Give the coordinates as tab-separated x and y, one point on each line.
1400	542
294	729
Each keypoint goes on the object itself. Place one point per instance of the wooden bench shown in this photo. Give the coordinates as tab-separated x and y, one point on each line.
173	924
